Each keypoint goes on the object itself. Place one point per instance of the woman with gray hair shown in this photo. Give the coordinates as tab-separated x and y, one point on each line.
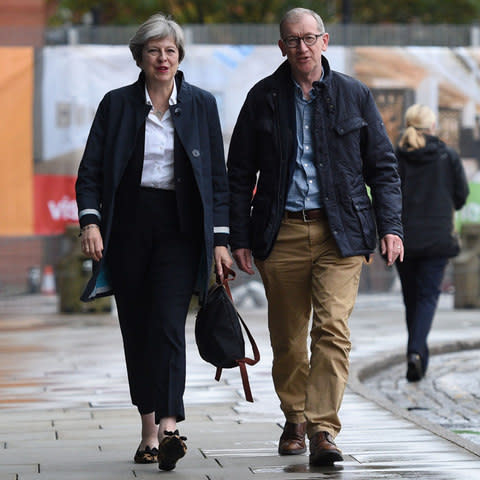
152	197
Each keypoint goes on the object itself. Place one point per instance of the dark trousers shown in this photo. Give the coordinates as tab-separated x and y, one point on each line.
421	279
153	268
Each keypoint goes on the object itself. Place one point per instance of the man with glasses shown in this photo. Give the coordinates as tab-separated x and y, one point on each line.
308	140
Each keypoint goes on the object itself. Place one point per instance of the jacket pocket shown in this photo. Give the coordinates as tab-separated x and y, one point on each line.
346	145
364	212
350	125
260	218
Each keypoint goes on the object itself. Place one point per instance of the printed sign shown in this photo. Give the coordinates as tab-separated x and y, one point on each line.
55	205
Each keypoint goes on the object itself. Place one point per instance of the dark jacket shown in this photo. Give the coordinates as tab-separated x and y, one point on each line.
352	149
116	140
433	187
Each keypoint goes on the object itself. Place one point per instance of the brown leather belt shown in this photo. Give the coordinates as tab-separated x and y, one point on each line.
307	215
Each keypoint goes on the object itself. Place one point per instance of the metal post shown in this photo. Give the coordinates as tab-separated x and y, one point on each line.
346	11
346	20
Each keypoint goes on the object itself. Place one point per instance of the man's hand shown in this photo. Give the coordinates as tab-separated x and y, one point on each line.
392	248
243	257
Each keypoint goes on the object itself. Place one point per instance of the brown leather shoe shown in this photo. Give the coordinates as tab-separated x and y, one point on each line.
292	441
323	450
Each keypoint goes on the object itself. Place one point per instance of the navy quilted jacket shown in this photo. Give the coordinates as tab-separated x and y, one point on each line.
352	151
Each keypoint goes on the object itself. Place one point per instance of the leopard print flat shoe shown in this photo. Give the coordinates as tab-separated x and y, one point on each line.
148	455
171	449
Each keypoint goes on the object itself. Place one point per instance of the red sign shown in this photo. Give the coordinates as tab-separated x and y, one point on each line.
55	204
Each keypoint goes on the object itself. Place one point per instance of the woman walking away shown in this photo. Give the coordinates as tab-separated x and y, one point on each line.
433	187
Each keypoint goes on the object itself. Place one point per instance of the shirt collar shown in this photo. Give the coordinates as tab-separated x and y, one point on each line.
299	91
171	101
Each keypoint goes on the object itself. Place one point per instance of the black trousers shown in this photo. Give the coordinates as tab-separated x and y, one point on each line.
421	279
154	268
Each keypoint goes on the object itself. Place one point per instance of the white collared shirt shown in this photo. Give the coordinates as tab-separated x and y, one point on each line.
158	154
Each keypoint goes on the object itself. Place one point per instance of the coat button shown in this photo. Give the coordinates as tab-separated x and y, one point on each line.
195	152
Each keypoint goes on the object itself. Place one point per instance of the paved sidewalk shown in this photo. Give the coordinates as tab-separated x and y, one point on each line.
448	396
65	411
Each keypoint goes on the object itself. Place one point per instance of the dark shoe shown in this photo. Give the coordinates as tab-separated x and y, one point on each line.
292	441
323	450
149	455
170	450
414	367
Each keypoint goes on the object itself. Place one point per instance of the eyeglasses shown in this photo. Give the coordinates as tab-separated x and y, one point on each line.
308	40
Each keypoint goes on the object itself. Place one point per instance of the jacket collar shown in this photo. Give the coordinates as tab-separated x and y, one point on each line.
327	76
184	89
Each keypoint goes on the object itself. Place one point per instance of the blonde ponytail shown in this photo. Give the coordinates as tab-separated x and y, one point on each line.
419	120
412	139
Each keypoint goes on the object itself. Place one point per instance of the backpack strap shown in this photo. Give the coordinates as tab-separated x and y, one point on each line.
245	382
242	362
256	352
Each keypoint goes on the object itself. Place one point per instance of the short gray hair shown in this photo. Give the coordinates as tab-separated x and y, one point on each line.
157	26
294	15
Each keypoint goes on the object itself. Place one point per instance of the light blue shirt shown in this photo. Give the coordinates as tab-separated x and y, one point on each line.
304	191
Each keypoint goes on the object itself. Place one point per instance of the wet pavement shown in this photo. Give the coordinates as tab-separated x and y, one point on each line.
448	396
65	411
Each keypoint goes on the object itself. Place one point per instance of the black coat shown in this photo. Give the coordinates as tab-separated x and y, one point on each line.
433	187
352	149
116	139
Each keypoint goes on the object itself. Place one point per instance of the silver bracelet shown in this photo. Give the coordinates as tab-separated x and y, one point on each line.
88	227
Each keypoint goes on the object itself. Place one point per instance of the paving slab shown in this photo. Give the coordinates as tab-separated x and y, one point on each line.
65	411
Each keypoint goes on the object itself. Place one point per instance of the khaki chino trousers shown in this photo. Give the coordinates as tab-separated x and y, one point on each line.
305	277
